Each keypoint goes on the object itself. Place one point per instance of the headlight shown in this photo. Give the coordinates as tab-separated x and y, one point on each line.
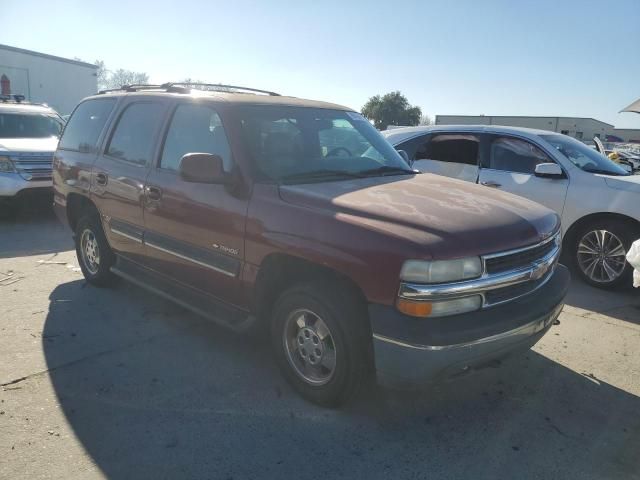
6	165
441	271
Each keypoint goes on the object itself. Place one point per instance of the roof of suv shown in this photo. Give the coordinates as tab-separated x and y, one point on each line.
229	97
20	107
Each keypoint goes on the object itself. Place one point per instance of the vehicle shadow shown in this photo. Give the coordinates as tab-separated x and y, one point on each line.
33	230
152	391
623	303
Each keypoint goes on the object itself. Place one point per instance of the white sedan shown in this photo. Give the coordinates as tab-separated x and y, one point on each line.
598	201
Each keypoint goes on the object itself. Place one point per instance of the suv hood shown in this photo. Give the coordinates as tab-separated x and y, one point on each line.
28	144
450	217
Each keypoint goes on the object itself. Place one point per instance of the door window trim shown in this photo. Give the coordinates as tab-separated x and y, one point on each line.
114	127
166	125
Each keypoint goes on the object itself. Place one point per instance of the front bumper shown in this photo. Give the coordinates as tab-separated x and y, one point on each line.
11	184
411	351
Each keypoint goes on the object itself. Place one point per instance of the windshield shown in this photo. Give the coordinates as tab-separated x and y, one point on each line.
298	144
582	156
30	125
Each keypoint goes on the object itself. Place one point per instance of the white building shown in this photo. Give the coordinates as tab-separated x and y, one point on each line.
59	82
577	127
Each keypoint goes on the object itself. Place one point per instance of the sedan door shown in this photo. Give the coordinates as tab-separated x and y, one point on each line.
451	154
510	164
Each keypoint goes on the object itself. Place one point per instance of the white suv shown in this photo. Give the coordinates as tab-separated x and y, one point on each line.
598	201
28	138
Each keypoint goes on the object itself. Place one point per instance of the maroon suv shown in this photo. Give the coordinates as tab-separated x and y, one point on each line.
295	217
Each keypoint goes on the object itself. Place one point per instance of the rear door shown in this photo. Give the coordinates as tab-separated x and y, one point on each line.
194	232
119	174
510	166
455	155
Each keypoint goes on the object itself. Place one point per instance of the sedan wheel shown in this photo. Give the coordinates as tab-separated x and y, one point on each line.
601	256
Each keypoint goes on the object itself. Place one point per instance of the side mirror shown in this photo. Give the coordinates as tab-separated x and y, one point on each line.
549	170
203	168
404	156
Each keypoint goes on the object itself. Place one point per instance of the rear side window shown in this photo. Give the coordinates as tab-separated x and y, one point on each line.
456	148
515	155
85	125
133	137
195	129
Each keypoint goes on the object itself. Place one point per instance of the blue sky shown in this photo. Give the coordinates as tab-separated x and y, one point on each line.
496	57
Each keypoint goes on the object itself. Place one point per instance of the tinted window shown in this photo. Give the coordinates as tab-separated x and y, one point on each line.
86	123
514	155
195	129
450	148
133	137
34	125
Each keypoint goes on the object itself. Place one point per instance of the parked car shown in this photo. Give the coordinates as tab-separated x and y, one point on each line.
28	137
596	199
276	214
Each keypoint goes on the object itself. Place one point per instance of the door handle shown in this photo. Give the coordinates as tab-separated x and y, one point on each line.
101	178
491	183
153	193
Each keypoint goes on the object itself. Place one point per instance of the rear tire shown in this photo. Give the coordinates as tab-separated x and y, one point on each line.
322	342
598	250
94	254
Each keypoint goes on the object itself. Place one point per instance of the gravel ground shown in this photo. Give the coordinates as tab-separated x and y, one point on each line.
117	383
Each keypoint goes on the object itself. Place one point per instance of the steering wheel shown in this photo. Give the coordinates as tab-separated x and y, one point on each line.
333	151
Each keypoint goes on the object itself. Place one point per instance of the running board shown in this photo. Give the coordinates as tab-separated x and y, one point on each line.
198	302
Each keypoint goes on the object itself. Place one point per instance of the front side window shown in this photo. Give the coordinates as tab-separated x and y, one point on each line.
515	155
582	156
195	129
133	137
86	124
299	144
29	125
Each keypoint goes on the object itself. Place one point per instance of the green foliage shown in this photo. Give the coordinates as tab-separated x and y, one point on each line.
391	109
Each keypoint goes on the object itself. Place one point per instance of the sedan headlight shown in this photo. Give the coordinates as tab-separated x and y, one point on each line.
441	271
6	165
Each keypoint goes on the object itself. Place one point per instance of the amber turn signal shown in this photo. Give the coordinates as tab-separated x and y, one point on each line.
415	309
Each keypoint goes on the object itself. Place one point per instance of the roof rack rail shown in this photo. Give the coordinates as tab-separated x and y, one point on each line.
218	87
132	88
17	98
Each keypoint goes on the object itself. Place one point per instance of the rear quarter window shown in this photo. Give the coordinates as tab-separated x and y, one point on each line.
85	125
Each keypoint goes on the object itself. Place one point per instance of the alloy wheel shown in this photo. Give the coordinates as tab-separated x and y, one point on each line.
90	251
309	347
601	256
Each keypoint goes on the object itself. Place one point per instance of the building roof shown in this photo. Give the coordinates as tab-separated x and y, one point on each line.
528	116
47	56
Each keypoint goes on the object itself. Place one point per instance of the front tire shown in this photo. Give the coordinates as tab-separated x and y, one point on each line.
598	253
321	340
94	254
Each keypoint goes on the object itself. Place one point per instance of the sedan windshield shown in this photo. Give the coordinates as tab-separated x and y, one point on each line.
302	145
30	125
582	156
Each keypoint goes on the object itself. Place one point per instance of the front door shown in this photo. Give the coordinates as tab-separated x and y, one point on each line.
119	173
194	232
510	166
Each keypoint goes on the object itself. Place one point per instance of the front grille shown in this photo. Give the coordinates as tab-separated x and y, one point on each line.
500	295
33	166
518	260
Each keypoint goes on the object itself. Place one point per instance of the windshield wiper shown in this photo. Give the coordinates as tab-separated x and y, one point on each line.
324	173
388	170
605	172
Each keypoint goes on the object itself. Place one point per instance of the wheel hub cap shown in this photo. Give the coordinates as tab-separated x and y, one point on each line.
309	347
601	256
90	251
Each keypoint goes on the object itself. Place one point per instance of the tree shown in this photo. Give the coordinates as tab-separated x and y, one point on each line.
115	79
426	120
391	109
